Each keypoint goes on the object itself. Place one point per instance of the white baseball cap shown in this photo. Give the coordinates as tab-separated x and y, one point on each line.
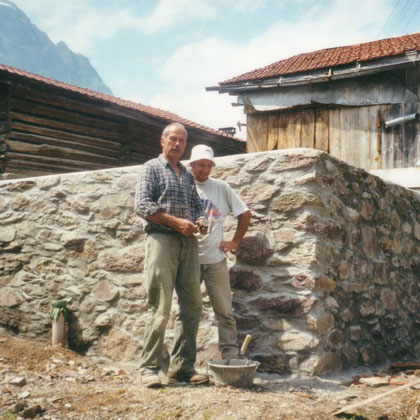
201	151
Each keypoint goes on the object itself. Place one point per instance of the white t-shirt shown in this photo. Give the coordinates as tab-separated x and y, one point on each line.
219	200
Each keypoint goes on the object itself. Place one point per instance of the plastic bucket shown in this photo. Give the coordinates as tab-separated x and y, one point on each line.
239	373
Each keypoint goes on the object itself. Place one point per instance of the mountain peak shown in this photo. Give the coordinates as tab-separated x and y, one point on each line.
24	46
8	3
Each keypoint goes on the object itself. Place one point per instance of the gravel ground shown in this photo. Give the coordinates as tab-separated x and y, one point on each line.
39	381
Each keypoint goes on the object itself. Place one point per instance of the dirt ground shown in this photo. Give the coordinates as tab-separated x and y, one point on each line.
40	381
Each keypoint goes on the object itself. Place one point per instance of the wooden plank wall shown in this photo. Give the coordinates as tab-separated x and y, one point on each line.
353	134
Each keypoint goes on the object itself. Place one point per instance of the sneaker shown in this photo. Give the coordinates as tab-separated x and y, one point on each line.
151	380
192	378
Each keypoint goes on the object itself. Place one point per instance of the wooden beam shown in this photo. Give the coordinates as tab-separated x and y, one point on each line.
322	136
283	122
272	131
59	152
64	135
376	397
50	111
307	134
335	132
65	126
70	164
293	129
34	138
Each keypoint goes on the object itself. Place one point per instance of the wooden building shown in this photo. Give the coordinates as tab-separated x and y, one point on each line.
359	103
51	127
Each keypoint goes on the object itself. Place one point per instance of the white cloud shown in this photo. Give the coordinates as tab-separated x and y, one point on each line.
192	67
177	13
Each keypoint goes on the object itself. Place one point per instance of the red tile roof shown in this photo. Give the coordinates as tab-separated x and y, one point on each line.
150	111
333	57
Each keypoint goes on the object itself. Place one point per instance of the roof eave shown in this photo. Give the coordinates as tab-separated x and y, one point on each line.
322	75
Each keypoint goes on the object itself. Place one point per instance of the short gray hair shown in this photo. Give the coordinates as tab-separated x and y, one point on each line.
169	127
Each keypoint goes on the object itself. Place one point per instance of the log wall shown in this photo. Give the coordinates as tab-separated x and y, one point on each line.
49	134
44	131
4	124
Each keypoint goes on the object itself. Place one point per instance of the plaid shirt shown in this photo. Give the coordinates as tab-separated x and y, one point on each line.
160	190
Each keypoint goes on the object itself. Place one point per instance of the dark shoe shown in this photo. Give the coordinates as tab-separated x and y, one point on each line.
151	380
192	378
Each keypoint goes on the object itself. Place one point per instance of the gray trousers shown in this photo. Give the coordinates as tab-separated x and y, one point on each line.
171	263
216	279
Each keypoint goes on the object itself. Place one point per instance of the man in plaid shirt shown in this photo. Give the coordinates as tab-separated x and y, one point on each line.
166	197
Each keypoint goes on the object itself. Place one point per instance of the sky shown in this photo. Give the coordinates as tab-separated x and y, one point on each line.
163	53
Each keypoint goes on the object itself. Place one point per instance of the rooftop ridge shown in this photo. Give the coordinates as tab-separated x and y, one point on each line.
333	57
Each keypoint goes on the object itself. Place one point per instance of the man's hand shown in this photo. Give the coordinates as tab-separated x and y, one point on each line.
182	226
202	225
226	246
185	227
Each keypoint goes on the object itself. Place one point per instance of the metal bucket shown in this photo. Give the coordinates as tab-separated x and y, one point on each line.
239	373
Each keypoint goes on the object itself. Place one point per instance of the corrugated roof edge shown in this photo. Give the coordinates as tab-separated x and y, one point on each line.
297	64
155	112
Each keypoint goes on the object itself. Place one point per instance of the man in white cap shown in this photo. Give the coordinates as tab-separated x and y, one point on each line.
218	200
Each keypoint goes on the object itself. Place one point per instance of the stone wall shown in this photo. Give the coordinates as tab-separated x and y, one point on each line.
327	277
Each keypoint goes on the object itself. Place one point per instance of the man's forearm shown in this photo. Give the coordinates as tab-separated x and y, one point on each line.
161	218
242	227
243	223
183	226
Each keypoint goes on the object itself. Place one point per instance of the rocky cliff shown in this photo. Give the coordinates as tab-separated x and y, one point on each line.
24	46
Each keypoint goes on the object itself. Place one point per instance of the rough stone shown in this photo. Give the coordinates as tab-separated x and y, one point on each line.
291	161
366	210
289	202
389	299
368	241
253	249
380	272
347	314
344	269
245	280
297	340
129	259
355	332
46	183
258	193
395	220
324	284
368	354
10	297
105	292
320	323
7	234
284	236
301	281
107	319
366	309
415	263
322	364
271	363
416	231
285	305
